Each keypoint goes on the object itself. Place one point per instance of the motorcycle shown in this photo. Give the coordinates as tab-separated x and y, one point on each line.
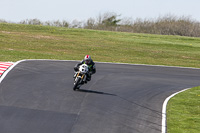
80	76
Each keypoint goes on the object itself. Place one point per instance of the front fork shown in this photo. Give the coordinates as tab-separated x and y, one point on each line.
83	77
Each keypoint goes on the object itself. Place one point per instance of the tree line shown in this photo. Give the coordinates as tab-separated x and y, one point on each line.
164	25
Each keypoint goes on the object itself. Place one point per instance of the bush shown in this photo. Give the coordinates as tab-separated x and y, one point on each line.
166	25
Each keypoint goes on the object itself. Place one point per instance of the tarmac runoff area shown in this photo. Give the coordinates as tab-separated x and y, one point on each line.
36	96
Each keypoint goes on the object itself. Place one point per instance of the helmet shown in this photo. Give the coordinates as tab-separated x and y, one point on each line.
87	59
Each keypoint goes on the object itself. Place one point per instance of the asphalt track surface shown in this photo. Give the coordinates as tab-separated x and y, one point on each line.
37	97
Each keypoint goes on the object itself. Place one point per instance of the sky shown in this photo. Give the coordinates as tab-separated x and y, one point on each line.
81	10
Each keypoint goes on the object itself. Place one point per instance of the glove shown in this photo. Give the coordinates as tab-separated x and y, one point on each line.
76	69
90	73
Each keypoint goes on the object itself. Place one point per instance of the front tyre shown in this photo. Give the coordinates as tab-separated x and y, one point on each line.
76	84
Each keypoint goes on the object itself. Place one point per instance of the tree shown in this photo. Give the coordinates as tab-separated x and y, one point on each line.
2	21
111	21
90	24
107	21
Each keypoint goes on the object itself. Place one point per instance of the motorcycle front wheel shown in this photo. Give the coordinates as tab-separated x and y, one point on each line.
76	84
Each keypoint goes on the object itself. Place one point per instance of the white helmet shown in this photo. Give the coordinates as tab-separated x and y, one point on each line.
87	59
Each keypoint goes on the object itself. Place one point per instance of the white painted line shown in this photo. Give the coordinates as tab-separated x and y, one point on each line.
148	65
164	126
114	63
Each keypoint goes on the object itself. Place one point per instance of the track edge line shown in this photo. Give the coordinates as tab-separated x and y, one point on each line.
164	108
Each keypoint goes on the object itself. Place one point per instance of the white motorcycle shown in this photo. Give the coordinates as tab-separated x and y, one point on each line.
80	76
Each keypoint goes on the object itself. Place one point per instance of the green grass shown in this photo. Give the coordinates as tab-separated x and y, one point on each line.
18	42
43	42
183	114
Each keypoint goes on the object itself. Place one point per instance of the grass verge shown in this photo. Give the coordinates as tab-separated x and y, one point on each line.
183	114
43	42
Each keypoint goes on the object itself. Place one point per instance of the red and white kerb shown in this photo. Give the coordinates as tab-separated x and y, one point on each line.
4	66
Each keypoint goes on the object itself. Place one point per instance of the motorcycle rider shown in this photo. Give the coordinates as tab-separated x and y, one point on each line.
91	66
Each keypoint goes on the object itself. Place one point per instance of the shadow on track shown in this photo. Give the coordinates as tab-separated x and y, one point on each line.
131	102
155	126
95	92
